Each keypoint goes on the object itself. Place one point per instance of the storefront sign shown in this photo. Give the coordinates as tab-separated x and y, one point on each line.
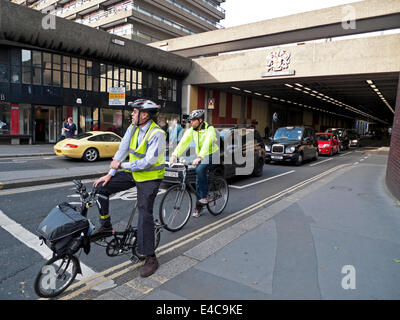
278	62
116	96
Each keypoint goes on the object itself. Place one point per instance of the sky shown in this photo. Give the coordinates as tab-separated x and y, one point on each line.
240	12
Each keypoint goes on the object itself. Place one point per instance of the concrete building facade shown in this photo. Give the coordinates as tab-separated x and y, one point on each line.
142	20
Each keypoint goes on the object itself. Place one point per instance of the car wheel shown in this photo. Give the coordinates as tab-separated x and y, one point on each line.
299	160
316	155
258	169
90	155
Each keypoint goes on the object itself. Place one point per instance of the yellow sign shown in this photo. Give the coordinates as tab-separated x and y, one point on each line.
116	96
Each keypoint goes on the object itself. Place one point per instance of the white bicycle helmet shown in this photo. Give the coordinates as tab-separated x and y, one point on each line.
196	114
145	105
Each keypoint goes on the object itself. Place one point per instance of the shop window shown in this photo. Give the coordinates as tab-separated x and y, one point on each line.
103	77
116	77
47	77
111	120
25	115
56	78
37	59
89	75
15	74
37	76
5	118
4	73
46	60
128	80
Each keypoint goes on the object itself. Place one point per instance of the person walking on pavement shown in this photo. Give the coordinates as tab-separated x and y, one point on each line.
145	142
176	133
70	128
205	139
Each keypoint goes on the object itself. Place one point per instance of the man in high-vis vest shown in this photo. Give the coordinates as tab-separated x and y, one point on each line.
145	143
205	139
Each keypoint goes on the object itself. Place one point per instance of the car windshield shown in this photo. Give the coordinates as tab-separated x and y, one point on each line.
288	134
323	137
352	136
83	135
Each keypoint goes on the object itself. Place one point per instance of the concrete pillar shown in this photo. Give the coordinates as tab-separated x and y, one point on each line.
393	166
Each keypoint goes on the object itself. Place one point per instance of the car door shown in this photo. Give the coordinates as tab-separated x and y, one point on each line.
111	144
307	143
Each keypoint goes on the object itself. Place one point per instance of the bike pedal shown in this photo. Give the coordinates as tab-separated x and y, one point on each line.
134	259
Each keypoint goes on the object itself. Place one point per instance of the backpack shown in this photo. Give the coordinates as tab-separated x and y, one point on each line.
62	229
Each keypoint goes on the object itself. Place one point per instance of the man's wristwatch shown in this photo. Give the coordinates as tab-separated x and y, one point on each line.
120	165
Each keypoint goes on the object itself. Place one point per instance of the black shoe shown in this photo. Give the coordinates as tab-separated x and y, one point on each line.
103	231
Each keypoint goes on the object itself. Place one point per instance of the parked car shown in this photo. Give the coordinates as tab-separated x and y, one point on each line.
292	144
354	138
235	142
89	146
328	143
343	138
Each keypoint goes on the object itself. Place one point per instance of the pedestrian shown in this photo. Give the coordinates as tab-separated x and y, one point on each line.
62	136
70	128
145	143
266	132
176	132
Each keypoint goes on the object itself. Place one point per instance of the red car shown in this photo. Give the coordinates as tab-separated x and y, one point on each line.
328	143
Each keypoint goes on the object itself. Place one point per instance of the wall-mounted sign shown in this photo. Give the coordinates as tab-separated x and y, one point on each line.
275	117
211	103
278	62
116	96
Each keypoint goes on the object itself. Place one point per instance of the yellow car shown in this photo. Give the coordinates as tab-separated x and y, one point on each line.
89	146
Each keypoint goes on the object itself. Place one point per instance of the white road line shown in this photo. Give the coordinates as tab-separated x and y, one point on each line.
345	154
33	242
261	181
319	162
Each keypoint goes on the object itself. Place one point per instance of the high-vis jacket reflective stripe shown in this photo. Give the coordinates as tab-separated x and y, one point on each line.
156	171
205	141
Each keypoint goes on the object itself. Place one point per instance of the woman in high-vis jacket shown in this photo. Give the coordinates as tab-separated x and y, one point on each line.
205	140
145	143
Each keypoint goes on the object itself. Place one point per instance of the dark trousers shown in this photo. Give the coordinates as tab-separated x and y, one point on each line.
146	194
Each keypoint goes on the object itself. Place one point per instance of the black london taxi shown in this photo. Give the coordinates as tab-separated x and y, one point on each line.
292	144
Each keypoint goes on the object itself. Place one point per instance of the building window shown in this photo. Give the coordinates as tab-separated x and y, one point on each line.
56	70
26	58
66	66
103	77
89	75
74	73
4	77
82	74
46	69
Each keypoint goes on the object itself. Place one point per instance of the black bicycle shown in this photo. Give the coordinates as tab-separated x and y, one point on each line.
60	271
176	205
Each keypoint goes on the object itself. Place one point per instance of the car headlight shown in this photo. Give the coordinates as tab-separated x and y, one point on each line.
354	141
290	149
267	148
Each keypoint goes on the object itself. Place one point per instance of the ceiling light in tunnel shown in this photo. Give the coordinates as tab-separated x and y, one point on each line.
288	85
299	85
235	88
248	91
370	82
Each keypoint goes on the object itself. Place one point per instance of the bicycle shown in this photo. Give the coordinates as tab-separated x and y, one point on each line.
176	204
60	271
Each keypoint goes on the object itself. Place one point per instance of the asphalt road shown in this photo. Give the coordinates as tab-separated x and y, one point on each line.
23	209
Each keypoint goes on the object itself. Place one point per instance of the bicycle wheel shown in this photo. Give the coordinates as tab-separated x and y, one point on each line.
56	275
157	236
175	208
218	195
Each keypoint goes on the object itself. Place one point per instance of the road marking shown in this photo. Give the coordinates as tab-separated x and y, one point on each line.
177	243
33	242
261	181
319	162
345	154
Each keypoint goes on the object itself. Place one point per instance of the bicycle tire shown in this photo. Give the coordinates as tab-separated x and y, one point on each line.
167	215
156	243
218	190
43	276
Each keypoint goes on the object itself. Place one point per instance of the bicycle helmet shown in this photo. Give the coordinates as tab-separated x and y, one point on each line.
145	105
196	114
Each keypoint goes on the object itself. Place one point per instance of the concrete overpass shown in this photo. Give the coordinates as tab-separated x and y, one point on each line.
298	65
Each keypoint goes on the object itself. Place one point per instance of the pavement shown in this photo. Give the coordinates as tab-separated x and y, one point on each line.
336	238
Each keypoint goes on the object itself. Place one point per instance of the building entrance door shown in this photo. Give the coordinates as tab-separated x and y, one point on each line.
45	124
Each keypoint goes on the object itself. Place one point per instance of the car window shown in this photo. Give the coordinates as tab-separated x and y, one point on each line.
323	137
83	135
98	138
111	138
288	134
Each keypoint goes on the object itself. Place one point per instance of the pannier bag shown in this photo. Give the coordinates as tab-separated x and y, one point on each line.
61	226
